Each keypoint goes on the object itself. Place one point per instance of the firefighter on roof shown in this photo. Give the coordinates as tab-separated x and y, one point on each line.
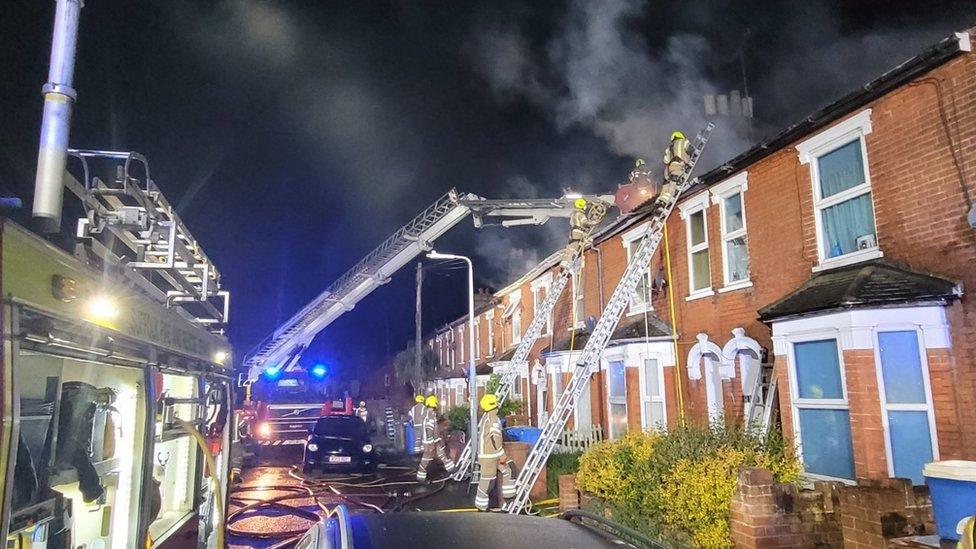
584	217
491	454
433	444
676	158
417	419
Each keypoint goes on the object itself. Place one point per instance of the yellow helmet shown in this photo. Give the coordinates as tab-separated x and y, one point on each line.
419	399
640	161
489	402
580	203
677	135
431	401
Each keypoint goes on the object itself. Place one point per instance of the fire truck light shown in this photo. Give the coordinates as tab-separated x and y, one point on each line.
101	307
272	372
318	371
264	430
220	357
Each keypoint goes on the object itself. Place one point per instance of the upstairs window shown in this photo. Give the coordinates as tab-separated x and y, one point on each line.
730	197
641	302
490	317
696	229
477	337
842	195
578	302
540	290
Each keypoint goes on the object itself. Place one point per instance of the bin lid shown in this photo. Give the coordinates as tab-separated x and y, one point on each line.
954	469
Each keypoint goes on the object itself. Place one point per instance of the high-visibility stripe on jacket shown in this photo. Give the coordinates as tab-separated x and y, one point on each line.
430	427
417	413
679	149
490	436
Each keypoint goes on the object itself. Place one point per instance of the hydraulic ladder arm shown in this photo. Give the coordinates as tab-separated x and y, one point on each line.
593	351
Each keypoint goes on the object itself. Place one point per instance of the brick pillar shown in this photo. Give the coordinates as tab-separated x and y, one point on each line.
867	431
568	493
756	518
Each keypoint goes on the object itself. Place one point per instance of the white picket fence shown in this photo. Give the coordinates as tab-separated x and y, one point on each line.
578	440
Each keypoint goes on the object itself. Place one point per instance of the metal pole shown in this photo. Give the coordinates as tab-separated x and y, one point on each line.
59	97
472	384
418	370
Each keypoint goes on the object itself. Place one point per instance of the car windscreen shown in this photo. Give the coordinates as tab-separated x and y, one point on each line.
341	427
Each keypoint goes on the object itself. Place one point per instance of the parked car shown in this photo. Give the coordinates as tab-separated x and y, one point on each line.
339	443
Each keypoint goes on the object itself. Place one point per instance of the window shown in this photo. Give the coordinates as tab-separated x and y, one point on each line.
517	327
540	290
842	192
450	347
696	228
490	317
458	394
729	195
477	338
905	398
617	398
578	303
460	341
652	395
641	302
822	411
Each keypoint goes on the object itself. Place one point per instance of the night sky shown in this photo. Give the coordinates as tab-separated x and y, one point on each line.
294	136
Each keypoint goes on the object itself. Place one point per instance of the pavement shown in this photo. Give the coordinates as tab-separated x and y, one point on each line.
392	489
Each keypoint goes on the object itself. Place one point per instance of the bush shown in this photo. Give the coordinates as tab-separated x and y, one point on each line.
458	417
680	484
560	464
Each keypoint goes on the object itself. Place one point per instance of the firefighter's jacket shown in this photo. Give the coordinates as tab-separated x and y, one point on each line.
490	436
579	225
417	413
431	433
677	155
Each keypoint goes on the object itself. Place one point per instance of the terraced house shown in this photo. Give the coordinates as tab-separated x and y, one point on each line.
822	273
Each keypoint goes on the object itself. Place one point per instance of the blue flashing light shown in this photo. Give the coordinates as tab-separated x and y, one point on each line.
319	371
272	372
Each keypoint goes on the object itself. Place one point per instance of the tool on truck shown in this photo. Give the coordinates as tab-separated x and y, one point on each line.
601	333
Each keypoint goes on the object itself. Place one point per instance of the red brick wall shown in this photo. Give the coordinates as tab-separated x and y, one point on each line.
867	431
633	399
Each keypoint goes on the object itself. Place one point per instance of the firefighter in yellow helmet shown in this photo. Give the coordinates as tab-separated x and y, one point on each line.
433	444
584	217
491	455
676	158
417	422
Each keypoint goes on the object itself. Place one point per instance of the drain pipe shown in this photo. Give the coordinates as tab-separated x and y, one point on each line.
59	97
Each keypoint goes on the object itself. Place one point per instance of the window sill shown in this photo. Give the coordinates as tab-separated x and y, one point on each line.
634	311
848	259
735	286
706	292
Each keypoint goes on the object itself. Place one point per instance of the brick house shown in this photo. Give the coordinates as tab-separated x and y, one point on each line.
835	252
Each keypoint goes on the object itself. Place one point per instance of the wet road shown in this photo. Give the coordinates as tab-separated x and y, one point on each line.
293	508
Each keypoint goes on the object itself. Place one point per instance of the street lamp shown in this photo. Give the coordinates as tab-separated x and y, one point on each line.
472	388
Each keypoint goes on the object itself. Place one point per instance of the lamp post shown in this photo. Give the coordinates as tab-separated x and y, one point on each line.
472	388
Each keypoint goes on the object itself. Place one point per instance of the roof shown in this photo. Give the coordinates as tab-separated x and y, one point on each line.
873	284
629	328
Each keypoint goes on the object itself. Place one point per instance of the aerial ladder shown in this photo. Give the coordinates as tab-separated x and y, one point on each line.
593	351
283	347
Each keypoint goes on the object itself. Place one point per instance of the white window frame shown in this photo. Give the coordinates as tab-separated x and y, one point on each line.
645	398
817	403
490	317
459	393
477	337
810	151
460	341
452	351
609	357
627	239
538	285
577	301
698	203
736	185
927	407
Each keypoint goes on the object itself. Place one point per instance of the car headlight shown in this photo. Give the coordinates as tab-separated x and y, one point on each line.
264	430
367	448
311	447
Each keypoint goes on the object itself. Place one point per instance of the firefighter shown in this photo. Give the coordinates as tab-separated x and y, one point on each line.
676	157
491	454
580	225
433	444
417	420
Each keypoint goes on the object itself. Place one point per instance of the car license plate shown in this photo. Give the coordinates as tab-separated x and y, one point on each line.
339	459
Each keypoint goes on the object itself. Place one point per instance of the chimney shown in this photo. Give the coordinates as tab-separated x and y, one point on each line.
59	98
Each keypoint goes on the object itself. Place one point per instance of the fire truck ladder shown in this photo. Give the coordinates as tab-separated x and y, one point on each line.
521	355
371	272
593	351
